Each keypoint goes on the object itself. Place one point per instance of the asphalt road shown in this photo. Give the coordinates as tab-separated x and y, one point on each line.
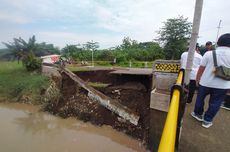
195	138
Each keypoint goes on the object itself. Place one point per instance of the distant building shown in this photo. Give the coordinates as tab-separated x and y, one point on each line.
50	58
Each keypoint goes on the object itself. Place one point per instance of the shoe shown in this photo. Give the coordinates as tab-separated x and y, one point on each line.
197	117
225	107
188	102
206	124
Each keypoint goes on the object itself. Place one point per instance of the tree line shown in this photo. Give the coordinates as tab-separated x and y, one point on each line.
172	40
128	50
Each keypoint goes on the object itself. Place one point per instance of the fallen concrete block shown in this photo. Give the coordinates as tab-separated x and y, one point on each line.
105	101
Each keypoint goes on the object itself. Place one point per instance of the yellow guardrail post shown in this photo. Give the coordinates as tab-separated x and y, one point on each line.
168	138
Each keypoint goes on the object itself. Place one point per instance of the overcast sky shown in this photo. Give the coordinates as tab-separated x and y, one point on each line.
64	22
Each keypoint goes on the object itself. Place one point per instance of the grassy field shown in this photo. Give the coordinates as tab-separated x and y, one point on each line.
107	64
15	81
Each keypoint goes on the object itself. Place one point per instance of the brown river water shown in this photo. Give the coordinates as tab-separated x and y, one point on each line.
24	129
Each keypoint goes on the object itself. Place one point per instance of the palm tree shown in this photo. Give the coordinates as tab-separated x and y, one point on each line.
21	49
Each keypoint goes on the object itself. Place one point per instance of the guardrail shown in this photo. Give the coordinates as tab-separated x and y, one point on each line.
170	136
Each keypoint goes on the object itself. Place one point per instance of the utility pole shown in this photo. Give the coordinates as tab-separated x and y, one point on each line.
92	57
193	40
218	31
92	46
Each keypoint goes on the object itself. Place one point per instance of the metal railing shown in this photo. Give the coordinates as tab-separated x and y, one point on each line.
171	129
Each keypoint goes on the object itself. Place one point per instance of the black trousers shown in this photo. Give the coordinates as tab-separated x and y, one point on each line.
191	89
227	101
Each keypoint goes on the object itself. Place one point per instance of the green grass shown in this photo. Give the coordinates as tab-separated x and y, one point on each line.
98	84
15	81
78	68
135	64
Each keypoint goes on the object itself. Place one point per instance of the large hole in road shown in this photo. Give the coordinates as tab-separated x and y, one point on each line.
132	91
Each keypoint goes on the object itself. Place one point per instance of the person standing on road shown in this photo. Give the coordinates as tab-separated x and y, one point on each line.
209	84
196	63
208	47
226	104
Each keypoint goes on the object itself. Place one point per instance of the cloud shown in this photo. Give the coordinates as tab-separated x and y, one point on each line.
63	38
13	18
106	21
137	18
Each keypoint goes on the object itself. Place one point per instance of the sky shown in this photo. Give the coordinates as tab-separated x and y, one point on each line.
62	22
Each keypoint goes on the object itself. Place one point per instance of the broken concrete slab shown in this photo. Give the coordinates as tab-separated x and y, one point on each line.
105	101
164	81
159	101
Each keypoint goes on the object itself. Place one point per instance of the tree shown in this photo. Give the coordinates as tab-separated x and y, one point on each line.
153	49
126	43
144	51
92	46
105	55
25	51
71	51
20	49
174	35
46	49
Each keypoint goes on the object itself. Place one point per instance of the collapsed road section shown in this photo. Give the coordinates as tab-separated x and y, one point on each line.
123	103
104	100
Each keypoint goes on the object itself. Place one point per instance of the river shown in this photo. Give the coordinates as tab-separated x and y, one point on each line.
25	129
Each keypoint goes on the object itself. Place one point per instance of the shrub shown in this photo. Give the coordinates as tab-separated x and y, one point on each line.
32	63
17	89
103	63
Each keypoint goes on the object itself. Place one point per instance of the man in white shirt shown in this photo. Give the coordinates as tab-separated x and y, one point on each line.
210	84
196	64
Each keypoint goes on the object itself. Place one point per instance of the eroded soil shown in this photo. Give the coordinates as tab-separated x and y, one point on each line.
130	91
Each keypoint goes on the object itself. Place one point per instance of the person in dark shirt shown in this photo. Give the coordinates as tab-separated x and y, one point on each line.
208	47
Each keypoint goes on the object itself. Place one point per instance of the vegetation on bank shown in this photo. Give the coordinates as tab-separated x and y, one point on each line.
16	83
27	52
